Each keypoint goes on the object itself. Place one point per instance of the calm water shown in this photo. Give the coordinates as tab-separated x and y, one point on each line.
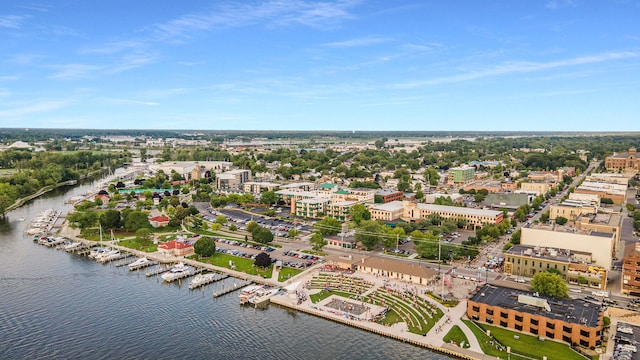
54	305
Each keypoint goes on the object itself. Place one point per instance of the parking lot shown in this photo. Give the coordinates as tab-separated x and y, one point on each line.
625	341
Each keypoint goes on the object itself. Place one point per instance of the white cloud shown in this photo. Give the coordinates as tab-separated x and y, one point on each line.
113	47
73	71
357	42
130	102
12	21
271	13
38	107
516	67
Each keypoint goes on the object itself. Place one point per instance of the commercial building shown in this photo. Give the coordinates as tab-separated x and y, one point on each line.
605	190
573	321
191	170
461	175
575	267
431	198
508	201
474	218
600	245
255	187
626	161
572	209
631	270
389	195
387	212
233	179
540	188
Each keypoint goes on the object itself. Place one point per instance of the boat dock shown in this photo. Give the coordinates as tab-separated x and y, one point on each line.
125	262
185	274
52	241
239	284
109	259
208	280
141	266
158	271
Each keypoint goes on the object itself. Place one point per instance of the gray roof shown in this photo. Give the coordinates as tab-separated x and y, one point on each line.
459	210
574	311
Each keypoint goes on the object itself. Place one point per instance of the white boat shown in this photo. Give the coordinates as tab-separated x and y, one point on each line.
72	245
202	279
140	263
249	292
98	252
177	271
108	256
263	295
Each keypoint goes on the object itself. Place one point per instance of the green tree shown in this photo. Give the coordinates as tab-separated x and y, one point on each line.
515	237
317	240
221	219
205	246
561	220
262	235
370	233
328	226
110	219
544	217
83	219
549	284
268	198
293	233
359	212
263	260
143	236
233	227
135	220
252	226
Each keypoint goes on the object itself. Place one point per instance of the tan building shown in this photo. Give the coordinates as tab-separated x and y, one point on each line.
359	195
574	321
312	208
628	161
616	192
631	270
387	212
539	188
396	269
232	179
577	268
572	209
475	218
254	187
600	245
339	210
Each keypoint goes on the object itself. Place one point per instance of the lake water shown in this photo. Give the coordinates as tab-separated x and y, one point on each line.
55	305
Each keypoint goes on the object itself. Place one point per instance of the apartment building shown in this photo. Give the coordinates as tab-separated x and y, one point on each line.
389	195
232	179
631	270
387	212
461	175
574	321
475	218
257	187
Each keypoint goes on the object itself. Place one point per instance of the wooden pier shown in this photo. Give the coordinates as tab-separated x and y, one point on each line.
158	271
239	284
125	262
142	266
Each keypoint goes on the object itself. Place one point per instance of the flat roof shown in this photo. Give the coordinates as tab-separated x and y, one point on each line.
574	311
459	210
562	255
390	206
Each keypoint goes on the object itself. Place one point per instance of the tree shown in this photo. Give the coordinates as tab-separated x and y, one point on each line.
431	176
269	198
328	226
293	233
143	235
544	217
83	219
233	227
561	220
110	219
317	240
205	246
135	220
221	219
370	233
262	260
359	212
262	235
515	237
252	226
549	284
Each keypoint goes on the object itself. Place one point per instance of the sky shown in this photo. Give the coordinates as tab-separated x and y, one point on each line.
376	65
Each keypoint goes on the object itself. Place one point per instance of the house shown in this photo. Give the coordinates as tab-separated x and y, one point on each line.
176	248
159	221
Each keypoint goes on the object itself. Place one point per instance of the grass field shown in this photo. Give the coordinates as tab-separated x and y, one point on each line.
241	264
457	336
286	273
136	245
526	345
7	172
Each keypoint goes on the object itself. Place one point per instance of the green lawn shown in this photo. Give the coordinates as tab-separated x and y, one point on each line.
456	335
390	318
286	273
315	298
313	252
134	244
7	172
527	345
241	264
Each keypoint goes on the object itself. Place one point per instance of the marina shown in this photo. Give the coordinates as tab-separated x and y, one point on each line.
226	289
205	279
141	263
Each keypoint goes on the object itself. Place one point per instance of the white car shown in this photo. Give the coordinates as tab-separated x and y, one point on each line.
600	293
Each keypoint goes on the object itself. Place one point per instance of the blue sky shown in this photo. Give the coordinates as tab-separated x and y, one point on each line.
321	65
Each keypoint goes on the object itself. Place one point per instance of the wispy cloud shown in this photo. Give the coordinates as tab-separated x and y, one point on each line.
131	61
12	21
37	107
516	67
9	77
559	4
113	47
271	13
74	71
357	42
130	102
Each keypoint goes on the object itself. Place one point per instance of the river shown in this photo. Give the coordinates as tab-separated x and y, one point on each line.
55	305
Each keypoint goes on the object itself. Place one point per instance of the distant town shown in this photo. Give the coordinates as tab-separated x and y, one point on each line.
477	245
